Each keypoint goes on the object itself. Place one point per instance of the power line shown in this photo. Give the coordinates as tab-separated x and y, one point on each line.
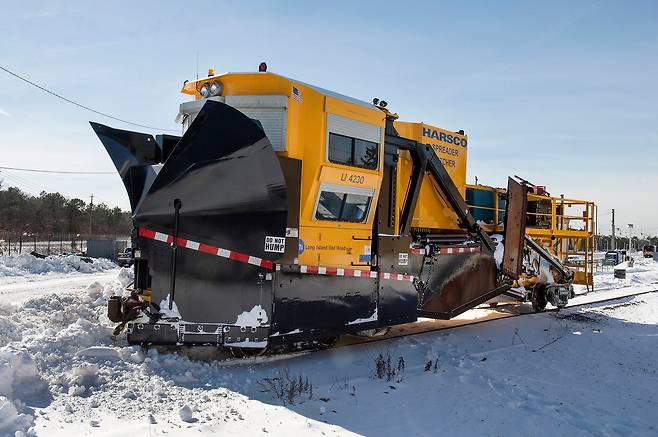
36	188
21	183
34	170
81	105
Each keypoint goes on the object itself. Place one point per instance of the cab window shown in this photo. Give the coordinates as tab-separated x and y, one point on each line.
353	151
345	207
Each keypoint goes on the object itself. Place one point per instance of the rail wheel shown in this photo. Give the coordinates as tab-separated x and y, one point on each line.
246	352
375	332
327	343
539	298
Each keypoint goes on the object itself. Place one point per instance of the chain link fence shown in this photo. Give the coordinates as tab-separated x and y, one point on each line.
52	244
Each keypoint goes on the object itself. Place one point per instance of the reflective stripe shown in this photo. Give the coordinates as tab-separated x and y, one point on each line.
206	248
254	261
247	259
461	249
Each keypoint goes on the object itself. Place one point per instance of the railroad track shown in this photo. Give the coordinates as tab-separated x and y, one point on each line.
500	312
424	326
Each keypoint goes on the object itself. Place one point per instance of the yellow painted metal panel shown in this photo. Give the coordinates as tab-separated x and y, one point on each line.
431	210
350	177
353	111
335	247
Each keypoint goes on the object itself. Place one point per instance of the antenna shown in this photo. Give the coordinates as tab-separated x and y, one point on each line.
197	65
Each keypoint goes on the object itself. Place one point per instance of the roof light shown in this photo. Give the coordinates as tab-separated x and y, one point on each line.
216	88
204	90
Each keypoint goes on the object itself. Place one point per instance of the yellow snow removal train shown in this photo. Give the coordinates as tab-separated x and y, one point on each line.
288	213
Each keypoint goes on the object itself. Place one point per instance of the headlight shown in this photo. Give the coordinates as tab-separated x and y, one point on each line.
204	90
216	88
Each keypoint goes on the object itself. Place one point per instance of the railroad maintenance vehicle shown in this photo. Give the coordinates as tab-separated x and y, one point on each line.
290	214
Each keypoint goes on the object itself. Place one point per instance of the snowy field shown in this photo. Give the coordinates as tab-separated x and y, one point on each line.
583	371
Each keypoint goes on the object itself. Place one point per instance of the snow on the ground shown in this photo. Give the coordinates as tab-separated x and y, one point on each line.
26	264
587	371
20	289
24	276
643	272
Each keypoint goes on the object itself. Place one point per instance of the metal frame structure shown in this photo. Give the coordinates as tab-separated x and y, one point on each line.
567	236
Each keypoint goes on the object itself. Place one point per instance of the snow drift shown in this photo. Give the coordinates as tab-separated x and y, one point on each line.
25	264
62	373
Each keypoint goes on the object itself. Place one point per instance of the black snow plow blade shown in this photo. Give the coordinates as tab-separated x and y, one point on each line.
223	170
228	186
134	154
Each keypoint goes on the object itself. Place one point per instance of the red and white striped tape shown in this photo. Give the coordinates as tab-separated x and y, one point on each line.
464	249
449	250
334	271
310	270
206	248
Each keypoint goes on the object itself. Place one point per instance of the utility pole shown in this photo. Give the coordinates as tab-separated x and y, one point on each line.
630	238
614	241
91	214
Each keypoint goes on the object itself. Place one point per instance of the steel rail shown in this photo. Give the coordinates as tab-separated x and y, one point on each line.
502	316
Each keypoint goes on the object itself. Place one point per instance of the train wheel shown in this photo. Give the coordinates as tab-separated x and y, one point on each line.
327	343
539	298
375	332
246	352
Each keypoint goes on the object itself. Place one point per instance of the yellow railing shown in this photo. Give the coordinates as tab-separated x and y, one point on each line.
568	236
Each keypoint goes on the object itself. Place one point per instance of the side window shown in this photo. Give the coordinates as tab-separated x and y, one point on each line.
340	206
353	151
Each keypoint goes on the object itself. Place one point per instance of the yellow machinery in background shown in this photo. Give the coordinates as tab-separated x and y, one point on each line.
566	227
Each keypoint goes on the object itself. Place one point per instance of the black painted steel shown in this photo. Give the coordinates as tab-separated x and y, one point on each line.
233	194
327	304
454	198
174	249
456	283
167	144
413	190
133	155
229	179
397	300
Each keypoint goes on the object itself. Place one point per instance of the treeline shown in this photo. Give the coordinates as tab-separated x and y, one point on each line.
604	242
55	215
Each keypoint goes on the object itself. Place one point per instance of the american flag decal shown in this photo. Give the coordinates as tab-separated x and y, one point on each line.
296	94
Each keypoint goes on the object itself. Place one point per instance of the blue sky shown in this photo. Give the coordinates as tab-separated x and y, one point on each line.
564	94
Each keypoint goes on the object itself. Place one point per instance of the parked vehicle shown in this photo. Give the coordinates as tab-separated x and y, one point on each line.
648	250
125	258
614	257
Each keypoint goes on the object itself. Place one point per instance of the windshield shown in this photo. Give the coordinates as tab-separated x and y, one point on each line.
342	207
